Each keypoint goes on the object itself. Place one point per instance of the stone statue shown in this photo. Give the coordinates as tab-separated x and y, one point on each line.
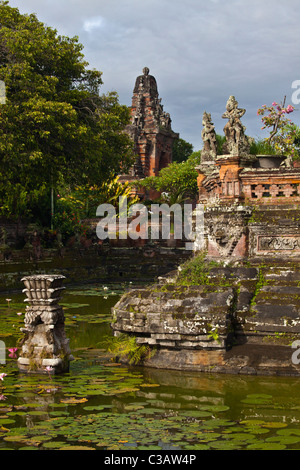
138	118
236	140
208	135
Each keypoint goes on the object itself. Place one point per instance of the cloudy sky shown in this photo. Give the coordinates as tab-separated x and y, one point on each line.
200	52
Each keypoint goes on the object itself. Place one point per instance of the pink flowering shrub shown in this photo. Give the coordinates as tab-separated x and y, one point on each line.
284	134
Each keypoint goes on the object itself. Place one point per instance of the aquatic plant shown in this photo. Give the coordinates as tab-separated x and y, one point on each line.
125	346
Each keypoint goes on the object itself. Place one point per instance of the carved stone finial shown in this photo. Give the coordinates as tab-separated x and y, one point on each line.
208	135
45	343
146	71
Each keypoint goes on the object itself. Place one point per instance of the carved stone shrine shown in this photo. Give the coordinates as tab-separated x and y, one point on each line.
150	130
44	344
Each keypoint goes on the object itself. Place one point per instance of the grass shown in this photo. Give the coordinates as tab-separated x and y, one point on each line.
196	271
261	147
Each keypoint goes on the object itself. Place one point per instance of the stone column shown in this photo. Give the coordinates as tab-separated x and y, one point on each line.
44	343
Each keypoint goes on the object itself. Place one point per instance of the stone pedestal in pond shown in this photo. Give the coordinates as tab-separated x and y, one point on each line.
44	343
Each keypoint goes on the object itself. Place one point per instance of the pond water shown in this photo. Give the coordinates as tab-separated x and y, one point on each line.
104	405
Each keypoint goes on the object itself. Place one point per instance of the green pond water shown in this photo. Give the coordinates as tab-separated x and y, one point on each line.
103	405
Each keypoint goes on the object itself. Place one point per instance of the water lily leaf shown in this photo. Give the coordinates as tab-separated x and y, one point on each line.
15	438
289	432
59	413
266	446
3	429
286	440
215	408
149	385
197	413
6	421
217	422
274	425
102	443
149	448
197	447
257	399
224	445
253	422
54	444
76	448
28	448
71	401
208	436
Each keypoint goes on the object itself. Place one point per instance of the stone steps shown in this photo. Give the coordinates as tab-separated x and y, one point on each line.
274	312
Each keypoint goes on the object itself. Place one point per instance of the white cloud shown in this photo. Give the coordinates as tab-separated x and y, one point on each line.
91	24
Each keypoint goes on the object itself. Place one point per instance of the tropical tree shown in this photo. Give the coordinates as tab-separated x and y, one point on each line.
181	150
55	127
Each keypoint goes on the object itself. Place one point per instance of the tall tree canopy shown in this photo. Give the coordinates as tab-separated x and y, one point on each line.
55	125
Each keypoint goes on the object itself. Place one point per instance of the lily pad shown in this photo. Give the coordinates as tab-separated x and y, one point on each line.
266	446
76	448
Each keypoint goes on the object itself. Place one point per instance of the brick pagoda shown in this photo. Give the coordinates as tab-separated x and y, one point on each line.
150	129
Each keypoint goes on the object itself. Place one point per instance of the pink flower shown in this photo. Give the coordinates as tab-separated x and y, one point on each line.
13	353
2	398
2	376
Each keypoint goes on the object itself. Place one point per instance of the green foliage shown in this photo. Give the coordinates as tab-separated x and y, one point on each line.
74	205
213	334
221	139
261	282
181	150
125	347
177	182
262	147
55	126
195	271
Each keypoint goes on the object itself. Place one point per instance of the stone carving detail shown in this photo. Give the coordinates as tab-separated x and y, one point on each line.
44	343
237	143
138	118
225	231
208	135
279	243
258	191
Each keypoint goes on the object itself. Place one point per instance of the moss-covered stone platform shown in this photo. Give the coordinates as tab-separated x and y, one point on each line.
241	319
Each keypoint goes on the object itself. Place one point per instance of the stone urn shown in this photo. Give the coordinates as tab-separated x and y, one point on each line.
269	161
45	347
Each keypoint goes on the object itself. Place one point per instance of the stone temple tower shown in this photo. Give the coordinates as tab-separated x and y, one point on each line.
150	129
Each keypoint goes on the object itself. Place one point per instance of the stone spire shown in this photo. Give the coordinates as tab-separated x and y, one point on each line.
150	128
